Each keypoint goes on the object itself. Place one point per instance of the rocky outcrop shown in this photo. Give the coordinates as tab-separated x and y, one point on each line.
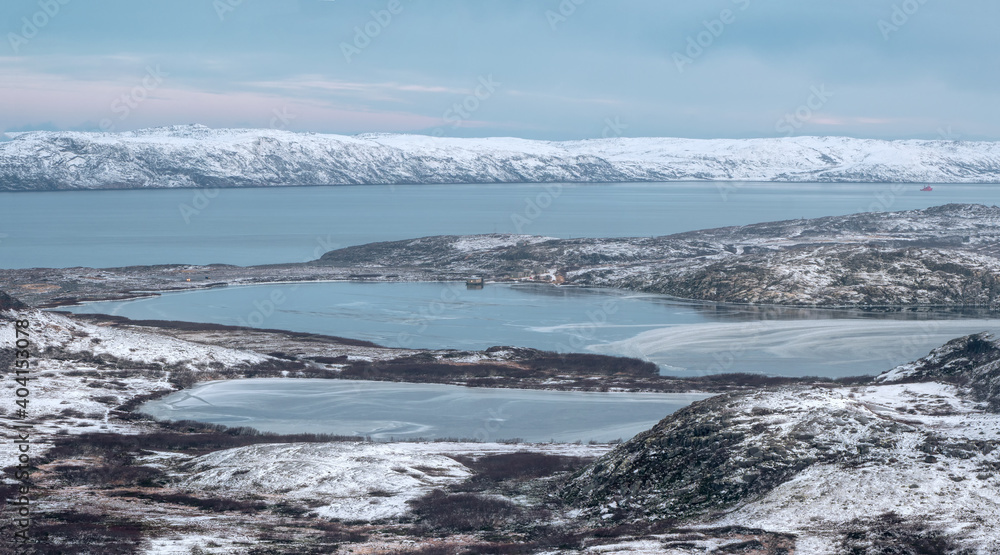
10	303
728	449
971	362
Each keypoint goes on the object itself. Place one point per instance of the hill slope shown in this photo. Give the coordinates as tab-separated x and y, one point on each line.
822	463
944	255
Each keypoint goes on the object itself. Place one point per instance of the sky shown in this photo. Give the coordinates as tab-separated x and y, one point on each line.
543	69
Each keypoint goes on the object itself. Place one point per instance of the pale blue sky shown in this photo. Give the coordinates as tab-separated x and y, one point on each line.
598	68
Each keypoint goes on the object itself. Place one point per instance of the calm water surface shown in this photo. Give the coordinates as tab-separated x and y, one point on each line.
262	226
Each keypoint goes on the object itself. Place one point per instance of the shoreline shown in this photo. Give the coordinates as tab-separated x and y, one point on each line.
508	183
502	367
677	399
150	294
936	258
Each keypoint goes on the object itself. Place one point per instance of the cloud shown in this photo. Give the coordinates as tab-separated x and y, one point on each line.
68	103
606	60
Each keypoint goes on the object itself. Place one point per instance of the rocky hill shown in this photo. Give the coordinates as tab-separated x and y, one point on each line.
825	463
971	362
10	303
945	255
196	156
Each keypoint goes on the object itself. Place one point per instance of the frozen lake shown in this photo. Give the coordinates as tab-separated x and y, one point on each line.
685	338
408	411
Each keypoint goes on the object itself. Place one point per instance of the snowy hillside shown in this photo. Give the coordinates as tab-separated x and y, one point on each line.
944	255
72	336
831	465
195	156
972	362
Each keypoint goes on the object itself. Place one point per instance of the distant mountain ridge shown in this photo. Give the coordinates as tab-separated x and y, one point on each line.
197	156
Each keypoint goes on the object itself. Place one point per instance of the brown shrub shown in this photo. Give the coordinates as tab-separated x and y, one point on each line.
73	533
463	512
522	465
211	504
110	475
890	534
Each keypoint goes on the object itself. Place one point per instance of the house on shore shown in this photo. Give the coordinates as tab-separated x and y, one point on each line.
475	283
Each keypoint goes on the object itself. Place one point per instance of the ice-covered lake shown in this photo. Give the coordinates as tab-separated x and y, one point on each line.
386	411
685	338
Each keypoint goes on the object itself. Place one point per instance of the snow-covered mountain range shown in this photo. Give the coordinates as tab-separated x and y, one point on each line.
197	156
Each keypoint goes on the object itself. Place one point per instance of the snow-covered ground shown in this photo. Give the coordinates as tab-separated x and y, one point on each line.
57	331
953	493
483	242
349	481
921	450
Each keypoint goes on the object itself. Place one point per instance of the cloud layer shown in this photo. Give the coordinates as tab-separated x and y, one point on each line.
560	69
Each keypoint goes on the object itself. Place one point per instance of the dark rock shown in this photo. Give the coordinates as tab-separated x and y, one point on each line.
10	303
971	362
714	455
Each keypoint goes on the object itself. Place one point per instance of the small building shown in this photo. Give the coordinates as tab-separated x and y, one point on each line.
475	283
